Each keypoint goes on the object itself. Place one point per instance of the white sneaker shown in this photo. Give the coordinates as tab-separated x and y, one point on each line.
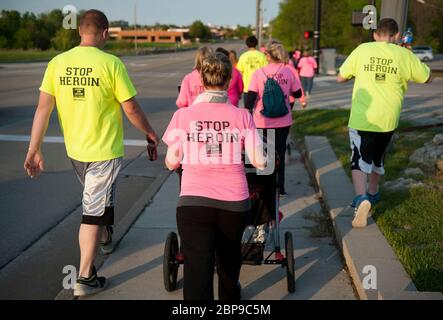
361	214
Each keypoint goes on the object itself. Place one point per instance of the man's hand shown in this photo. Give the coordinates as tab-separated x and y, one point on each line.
153	138
34	163
340	79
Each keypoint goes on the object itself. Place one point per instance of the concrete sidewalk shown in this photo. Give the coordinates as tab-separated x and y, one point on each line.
134	270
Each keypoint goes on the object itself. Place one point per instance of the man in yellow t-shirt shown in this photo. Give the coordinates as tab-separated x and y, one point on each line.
250	61
381	70
89	88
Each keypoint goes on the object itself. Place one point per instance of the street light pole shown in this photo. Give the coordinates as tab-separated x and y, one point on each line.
135	28
317	22
396	9
371	31
258	23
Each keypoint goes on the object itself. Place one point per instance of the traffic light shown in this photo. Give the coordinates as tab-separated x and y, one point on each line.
308	34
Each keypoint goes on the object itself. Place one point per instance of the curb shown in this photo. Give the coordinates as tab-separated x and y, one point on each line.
124	225
363	249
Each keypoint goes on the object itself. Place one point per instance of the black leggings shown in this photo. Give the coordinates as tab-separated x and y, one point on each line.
211	236
281	136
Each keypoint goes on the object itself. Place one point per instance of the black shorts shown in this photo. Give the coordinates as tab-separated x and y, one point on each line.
368	150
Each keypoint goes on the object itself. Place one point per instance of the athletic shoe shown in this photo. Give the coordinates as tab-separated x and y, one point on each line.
374	198
106	246
91	285
282	194
362	210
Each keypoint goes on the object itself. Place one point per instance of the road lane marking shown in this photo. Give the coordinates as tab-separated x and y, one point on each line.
54	139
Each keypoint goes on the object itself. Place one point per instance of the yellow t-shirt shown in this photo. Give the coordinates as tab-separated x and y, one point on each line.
248	62
89	85
382	71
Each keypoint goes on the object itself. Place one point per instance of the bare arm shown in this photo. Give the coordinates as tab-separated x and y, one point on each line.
340	79
137	117
173	157
257	157
34	162
430	78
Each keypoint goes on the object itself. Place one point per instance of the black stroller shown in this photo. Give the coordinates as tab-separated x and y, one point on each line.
263	225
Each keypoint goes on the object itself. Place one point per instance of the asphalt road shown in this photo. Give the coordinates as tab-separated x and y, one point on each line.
29	209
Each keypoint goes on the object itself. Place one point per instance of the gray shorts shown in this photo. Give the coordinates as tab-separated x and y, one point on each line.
98	181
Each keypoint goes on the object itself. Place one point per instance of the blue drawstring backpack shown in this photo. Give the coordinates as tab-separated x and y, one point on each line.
274	102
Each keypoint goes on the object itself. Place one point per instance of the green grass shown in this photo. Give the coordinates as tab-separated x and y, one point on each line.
412	221
7	56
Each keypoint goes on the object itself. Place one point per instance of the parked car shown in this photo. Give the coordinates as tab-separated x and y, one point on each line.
424	53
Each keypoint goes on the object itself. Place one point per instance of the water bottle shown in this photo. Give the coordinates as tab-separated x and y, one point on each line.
407	37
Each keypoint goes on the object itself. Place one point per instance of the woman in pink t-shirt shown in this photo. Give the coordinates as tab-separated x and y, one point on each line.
290	64
235	89
277	57
191	85
307	66
207	140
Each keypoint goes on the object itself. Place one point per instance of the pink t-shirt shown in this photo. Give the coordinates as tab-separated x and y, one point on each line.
191	87
294	71
297	55
235	87
212	137
307	66
288	84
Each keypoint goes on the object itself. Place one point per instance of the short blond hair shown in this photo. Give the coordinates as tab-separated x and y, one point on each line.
216	70
277	51
202	54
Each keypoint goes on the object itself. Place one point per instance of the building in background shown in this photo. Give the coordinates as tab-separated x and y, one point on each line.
147	36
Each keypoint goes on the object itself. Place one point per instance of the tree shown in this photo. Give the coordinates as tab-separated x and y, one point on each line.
199	30
243	32
65	39
426	23
9	25
23	39
297	16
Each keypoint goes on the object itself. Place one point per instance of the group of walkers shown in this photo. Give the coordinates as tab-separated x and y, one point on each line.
206	137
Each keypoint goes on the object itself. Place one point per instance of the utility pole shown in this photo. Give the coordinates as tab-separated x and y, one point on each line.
397	10
258	22
371	31
262	14
317	22
135	28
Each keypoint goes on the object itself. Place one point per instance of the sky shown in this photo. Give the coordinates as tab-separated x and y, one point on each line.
179	12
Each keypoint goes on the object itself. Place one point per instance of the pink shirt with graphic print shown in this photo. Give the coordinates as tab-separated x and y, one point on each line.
212	137
190	88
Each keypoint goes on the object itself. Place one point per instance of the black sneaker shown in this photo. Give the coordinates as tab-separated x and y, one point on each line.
106	247
91	285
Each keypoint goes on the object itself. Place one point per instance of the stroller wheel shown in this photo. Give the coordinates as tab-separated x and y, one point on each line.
170	265
290	262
